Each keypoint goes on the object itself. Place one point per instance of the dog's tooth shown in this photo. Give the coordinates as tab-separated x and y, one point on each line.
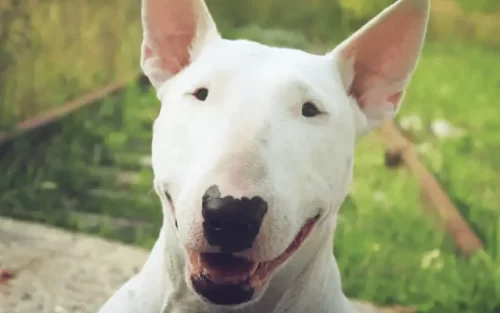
254	269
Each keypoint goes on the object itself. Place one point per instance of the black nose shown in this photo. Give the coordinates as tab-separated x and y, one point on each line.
229	223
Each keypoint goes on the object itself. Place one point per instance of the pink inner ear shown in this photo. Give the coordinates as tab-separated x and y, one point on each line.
171	28
385	55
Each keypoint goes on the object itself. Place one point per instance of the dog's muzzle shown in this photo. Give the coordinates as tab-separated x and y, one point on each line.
224	279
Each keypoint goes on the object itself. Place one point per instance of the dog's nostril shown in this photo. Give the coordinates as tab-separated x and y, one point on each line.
214	225
229	223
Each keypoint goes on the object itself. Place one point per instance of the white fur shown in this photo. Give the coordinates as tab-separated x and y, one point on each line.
250	138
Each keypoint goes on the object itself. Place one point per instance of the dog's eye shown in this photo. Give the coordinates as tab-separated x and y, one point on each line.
201	94
309	109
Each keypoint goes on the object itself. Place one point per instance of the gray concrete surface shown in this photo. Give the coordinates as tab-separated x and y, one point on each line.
55	271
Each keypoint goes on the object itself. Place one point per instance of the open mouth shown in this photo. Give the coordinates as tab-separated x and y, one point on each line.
225	279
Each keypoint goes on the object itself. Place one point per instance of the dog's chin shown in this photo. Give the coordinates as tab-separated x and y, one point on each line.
226	280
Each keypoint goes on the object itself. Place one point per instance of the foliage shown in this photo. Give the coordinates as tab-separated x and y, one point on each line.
486	6
327	20
53	50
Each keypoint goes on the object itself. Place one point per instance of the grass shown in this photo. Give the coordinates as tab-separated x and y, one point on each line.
87	170
90	173
408	261
54	50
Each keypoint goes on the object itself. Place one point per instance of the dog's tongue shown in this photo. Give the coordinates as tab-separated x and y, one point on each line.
226	269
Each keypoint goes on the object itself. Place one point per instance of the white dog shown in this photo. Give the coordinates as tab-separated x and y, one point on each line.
253	155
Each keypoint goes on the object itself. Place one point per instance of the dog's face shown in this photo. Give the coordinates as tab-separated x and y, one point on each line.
253	147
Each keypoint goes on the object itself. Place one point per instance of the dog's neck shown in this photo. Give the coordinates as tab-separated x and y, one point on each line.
309	281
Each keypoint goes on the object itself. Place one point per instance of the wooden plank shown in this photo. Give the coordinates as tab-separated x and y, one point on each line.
465	238
57	113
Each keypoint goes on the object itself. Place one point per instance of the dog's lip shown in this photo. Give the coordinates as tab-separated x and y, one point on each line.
226	269
222	268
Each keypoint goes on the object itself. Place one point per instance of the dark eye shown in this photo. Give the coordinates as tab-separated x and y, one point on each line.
309	109
201	94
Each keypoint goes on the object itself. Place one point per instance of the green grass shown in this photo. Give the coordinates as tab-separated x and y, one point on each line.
54	50
73	175
387	250
87	170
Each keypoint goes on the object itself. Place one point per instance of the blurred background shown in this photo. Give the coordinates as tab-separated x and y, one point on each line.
86	168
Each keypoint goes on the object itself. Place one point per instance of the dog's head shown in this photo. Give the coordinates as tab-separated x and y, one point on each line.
253	147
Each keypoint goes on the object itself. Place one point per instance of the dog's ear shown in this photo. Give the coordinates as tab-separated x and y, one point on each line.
174	33
377	62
